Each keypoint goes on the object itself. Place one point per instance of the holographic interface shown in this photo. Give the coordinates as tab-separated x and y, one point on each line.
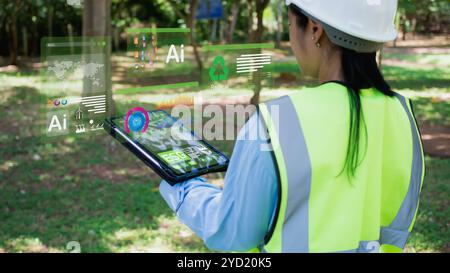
173	143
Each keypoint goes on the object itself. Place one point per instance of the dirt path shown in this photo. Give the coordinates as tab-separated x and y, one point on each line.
436	140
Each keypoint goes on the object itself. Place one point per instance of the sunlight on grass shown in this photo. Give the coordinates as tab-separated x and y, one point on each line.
5	166
62	88
170	236
438	93
28	244
430	59
8	80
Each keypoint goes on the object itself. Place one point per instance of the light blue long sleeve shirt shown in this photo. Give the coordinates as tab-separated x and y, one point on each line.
237	217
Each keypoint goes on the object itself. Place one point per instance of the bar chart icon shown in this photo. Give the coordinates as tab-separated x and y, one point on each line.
93	104
247	63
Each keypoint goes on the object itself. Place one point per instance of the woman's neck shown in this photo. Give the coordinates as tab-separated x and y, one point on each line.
331	67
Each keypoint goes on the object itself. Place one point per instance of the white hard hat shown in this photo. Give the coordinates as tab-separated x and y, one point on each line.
362	25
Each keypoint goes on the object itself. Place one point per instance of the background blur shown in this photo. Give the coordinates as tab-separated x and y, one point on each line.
91	192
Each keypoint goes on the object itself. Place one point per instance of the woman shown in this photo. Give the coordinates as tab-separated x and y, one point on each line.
346	165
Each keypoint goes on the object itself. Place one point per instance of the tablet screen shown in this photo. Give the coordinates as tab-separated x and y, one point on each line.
174	144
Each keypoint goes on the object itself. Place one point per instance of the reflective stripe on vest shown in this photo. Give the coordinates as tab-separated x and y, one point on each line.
291	229
397	232
295	153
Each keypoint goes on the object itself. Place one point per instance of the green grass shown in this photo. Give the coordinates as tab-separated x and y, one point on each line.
433	112
80	190
418	78
91	190
434	59
431	231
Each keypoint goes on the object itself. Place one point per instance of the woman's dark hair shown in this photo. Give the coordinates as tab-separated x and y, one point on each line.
360	72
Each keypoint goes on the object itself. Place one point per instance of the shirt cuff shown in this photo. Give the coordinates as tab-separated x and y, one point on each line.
174	195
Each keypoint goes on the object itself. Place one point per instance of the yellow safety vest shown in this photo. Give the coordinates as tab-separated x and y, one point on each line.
321	211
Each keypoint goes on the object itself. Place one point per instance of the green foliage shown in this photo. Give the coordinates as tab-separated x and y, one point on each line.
40	18
424	15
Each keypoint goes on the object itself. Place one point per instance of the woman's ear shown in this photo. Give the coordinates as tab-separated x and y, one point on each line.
316	30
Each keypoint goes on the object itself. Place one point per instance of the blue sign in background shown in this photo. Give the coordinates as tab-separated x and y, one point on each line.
209	9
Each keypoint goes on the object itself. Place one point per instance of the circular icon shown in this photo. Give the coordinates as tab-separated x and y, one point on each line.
56	102
64	102
136	120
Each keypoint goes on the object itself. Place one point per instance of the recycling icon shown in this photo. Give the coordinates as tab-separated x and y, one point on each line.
218	70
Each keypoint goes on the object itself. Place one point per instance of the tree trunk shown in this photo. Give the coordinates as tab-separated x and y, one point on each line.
403	27
97	23
96	18
70	35
222	31
279	24
234	17
25	41
260	7
250	20
35	40
414	27
50	21
256	37
116	39
214	30
13	35
191	22
257	88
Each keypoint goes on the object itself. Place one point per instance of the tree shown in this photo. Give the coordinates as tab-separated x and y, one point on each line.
191	22
10	14
258	7
233	21
126	13
97	23
424	16
13	31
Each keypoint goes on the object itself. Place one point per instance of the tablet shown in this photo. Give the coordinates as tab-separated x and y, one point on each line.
168	147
